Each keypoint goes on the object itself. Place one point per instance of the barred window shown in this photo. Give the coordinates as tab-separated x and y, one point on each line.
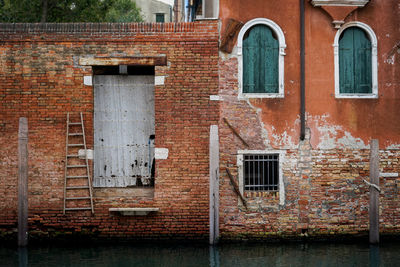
261	172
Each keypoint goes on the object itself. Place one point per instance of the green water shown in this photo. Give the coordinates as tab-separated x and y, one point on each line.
275	254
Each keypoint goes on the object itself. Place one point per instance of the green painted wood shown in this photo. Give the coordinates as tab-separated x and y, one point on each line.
355	65
362	62
260	61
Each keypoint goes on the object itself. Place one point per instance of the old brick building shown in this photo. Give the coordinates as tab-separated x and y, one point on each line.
299	162
46	71
302	173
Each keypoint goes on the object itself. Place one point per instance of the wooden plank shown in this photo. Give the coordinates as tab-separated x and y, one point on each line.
23	182
362	62
346	62
236	187
214	185
229	34
374	194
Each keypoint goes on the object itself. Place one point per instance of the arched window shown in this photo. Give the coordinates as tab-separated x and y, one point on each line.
261	45
355	62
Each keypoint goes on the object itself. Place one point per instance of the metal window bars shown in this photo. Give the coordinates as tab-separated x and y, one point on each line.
261	172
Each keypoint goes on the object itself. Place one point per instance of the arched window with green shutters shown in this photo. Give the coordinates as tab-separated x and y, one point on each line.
260	60
355	62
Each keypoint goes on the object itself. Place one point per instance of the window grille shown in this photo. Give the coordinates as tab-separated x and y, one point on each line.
261	172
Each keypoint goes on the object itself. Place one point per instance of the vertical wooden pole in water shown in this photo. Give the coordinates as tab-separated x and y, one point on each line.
374	193
23	182
214	185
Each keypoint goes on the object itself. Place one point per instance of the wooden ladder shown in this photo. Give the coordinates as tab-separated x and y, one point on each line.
77	185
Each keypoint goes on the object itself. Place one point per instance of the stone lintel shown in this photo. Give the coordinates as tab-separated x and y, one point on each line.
116	61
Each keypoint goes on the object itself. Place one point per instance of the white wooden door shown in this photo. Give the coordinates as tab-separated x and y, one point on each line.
123	130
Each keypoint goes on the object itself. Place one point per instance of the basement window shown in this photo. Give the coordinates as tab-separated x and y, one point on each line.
261	171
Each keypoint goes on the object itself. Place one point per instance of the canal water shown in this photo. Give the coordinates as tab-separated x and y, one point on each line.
230	255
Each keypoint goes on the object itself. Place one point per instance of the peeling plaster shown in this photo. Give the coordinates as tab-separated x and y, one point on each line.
264	132
349	141
283	140
330	136
390	60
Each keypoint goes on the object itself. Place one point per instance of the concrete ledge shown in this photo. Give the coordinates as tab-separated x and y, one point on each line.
134	211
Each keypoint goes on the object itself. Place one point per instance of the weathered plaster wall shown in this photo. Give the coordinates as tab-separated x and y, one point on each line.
353	121
323	175
41	79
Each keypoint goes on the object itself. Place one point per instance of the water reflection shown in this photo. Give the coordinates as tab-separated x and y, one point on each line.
374	257
248	255
22	257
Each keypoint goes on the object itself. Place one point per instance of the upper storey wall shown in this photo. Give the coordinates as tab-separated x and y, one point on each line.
334	122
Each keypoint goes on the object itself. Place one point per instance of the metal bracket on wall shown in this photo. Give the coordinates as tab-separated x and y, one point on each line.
235	132
236	187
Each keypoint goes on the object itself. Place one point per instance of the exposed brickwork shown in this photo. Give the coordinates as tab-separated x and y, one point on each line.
41	79
325	195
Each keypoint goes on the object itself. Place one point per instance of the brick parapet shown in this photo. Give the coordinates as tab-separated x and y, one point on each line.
109	32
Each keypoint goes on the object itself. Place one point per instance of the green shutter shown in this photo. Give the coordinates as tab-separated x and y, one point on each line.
260	61
355	73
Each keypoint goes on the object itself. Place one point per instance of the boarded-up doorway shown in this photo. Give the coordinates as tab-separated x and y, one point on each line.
123	130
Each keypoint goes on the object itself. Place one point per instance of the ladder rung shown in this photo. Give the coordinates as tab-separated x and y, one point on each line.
75	144
76	166
77	177
76	198
74	123
87	208
77	187
75	134
72	156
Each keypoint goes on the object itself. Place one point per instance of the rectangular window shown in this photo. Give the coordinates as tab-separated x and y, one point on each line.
160	17
261	172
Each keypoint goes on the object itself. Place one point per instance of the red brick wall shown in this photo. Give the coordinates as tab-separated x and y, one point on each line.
41	79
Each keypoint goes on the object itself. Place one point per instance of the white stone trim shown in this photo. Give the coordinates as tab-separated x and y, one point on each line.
215	98
87	80
159	80
389	174
281	154
282	45
160	153
374	59
358	3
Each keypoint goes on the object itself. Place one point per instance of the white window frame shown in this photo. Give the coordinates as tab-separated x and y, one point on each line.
282	45
374	60
281	153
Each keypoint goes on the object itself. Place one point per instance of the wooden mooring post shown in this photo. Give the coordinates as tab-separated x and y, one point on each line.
214	185
374	193
23	182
